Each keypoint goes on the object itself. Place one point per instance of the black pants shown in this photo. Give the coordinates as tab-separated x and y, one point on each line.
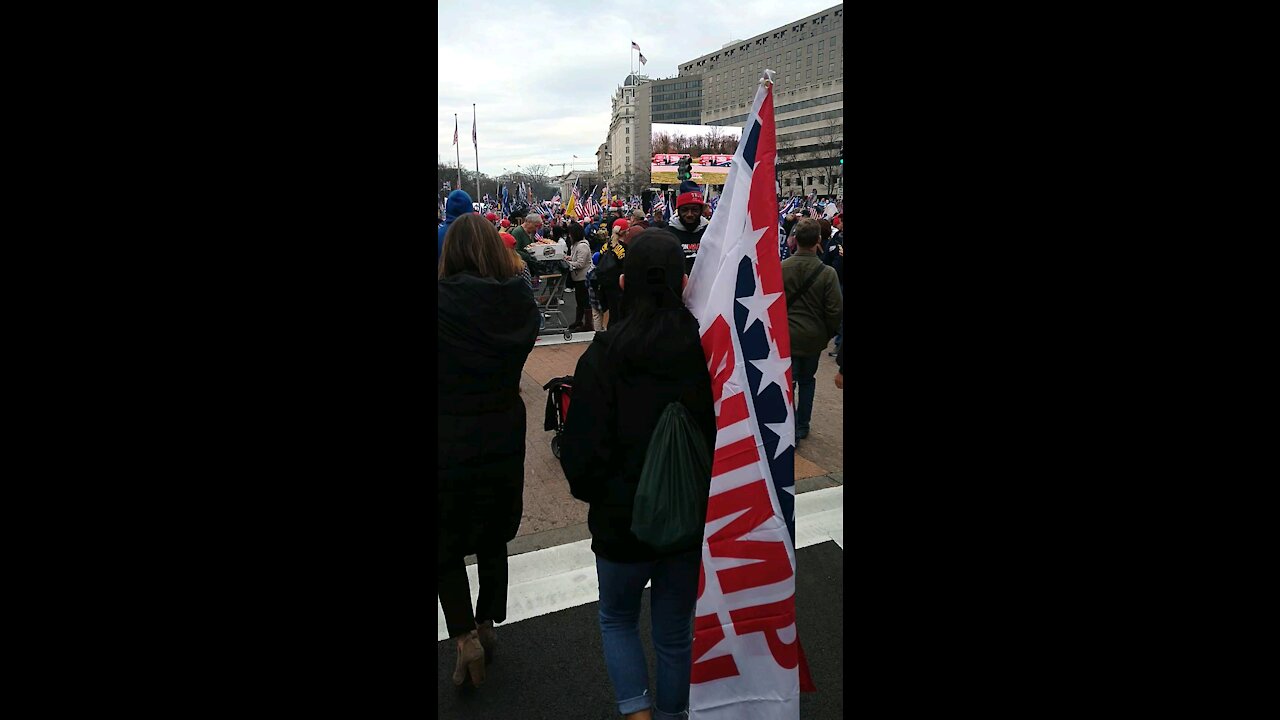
612	297
455	591
580	301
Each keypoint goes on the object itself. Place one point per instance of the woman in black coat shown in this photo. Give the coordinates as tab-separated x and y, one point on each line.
650	356
488	324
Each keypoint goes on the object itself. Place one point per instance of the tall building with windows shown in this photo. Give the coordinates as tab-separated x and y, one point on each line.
808	63
626	148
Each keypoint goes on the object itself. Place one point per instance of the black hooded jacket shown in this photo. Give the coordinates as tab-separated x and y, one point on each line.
486	330
687	237
622	384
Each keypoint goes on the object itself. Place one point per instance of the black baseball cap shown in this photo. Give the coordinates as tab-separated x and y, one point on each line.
654	259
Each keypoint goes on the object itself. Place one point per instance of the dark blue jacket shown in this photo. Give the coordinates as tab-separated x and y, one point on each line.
458	204
831	254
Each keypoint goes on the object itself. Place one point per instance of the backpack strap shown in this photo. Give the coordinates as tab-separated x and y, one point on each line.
791	299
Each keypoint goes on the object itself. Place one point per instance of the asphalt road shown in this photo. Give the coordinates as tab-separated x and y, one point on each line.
552	666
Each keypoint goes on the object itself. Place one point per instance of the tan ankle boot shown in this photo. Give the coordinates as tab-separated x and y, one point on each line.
470	661
488	640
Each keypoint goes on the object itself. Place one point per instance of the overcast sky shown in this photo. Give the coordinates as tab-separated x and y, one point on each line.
542	73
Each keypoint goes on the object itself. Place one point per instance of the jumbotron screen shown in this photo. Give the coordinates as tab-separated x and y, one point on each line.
709	147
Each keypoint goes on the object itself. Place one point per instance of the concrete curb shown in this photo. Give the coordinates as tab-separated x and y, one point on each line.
573	533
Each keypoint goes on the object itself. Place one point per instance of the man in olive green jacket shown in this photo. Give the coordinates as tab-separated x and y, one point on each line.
814	306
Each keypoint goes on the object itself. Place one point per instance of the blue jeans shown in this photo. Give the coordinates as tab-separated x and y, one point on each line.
672	600
802	371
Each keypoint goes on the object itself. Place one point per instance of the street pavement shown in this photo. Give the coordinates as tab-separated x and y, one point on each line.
550	664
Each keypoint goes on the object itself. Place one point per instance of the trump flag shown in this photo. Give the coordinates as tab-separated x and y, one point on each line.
747	661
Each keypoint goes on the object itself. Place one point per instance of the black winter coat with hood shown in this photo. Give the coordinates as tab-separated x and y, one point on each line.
622	384
487	329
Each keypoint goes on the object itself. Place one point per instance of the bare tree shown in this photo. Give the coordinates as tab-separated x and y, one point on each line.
715	139
794	153
830	139
643	175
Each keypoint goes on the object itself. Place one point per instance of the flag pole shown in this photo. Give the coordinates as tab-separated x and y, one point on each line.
457	147
476	143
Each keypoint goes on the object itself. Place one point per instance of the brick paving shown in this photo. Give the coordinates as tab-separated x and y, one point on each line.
547	502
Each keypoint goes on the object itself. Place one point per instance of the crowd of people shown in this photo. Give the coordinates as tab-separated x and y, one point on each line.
628	269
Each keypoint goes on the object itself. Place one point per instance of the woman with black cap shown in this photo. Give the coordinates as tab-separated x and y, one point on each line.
650	356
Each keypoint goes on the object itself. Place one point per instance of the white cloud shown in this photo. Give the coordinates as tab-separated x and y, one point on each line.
542	74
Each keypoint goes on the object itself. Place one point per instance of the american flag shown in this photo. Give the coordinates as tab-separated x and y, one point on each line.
659	207
455	129
743	667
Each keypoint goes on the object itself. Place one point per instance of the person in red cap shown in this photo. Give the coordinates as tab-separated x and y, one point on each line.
691	223
504	223
612	257
491	217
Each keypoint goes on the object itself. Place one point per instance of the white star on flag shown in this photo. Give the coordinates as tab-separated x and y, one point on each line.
749	247
758	308
773	369
786	432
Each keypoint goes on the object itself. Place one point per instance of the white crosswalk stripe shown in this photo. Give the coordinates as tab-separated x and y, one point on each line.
562	577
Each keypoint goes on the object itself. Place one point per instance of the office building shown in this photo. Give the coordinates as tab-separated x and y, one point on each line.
808	63
626	170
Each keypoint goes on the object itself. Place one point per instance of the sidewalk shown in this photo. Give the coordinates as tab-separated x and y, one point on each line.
553	517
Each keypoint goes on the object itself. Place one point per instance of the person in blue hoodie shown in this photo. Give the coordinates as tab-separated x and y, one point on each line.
458	204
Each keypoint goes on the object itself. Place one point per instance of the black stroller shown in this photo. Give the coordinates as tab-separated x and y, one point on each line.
559	392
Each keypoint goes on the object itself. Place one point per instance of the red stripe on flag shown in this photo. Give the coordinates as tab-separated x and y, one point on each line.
762	205
735	455
733	411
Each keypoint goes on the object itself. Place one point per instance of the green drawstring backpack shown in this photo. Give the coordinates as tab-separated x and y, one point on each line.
671	500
